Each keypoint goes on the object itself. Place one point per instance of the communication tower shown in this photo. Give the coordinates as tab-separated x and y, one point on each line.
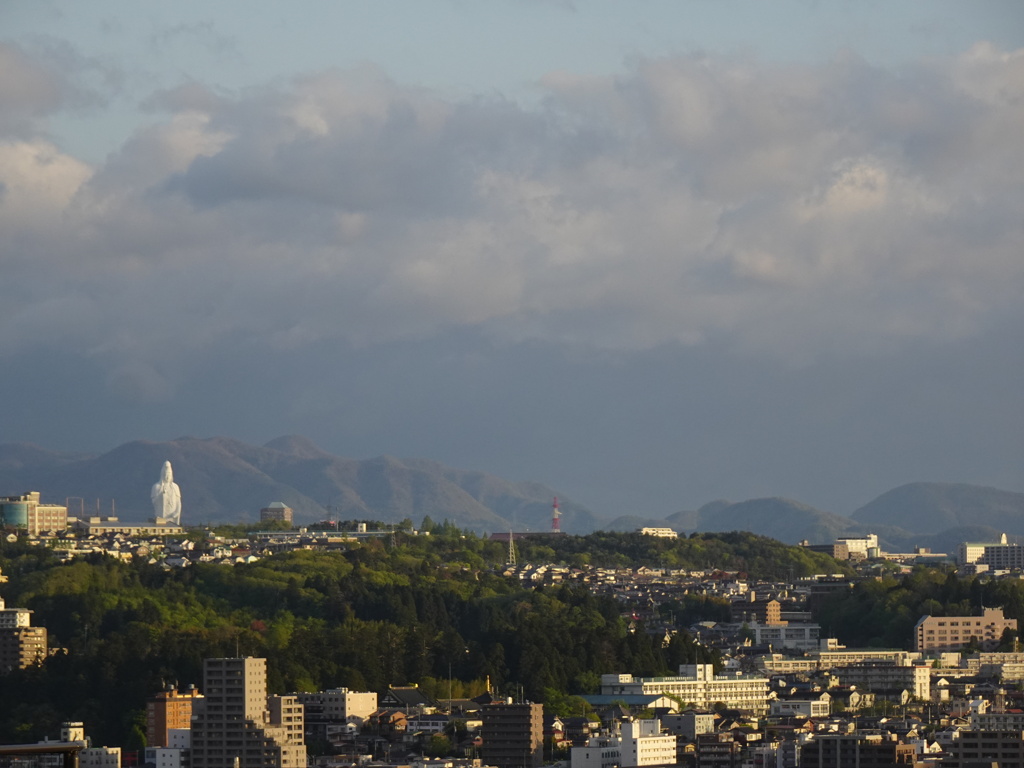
556	513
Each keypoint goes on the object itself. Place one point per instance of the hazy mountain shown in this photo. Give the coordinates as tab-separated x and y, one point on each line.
934	507
228	480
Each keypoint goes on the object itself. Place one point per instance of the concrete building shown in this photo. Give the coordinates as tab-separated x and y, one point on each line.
100	757
175	754
27	513
855	751
798	636
860	547
236	721
970	552
689	724
338	705
753	611
936	634
809	706
888	680
170	709
276	511
21	644
1003	557
513	735
696	686
641	743
974	748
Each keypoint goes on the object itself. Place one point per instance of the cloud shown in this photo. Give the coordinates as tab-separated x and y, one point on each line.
783	211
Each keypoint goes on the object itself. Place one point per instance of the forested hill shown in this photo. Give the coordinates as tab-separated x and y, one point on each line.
365	618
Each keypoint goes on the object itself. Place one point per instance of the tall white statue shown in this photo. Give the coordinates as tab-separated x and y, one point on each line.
166	496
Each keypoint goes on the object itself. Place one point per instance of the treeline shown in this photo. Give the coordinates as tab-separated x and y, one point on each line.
883	612
365	619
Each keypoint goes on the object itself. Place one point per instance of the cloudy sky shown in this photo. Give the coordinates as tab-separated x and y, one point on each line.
652	253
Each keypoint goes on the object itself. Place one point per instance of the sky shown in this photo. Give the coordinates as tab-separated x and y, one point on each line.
652	254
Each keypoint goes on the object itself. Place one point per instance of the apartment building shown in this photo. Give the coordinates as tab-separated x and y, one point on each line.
1002	748
937	634
641	743
170	709
855	751
236	725
888	680
513	734
21	644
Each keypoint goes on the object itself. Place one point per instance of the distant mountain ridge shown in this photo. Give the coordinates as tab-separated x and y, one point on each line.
225	480
934	515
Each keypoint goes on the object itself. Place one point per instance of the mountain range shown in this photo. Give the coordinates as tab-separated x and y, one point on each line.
225	480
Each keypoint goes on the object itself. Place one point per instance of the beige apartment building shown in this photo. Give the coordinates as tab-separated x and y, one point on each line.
938	634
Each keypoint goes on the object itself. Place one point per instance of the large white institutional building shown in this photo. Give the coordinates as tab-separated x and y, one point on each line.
697	686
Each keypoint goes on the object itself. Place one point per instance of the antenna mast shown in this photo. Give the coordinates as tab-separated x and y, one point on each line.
556	513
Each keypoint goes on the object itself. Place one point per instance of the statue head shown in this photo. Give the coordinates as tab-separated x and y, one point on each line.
167	474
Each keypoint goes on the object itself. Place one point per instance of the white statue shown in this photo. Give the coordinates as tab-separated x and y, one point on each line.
166	496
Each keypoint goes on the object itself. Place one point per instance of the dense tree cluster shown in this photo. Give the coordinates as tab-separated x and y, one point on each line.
426	611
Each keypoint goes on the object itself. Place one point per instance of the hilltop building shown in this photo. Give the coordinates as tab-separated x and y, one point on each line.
276	511
236	725
970	552
26	513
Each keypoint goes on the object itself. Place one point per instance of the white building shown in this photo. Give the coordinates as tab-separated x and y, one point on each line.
697	686
664	533
799	636
14	618
100	757
641	743
165	757
813	706
339	705
972	551
860	547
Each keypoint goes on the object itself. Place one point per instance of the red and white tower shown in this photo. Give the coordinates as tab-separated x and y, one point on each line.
555	514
